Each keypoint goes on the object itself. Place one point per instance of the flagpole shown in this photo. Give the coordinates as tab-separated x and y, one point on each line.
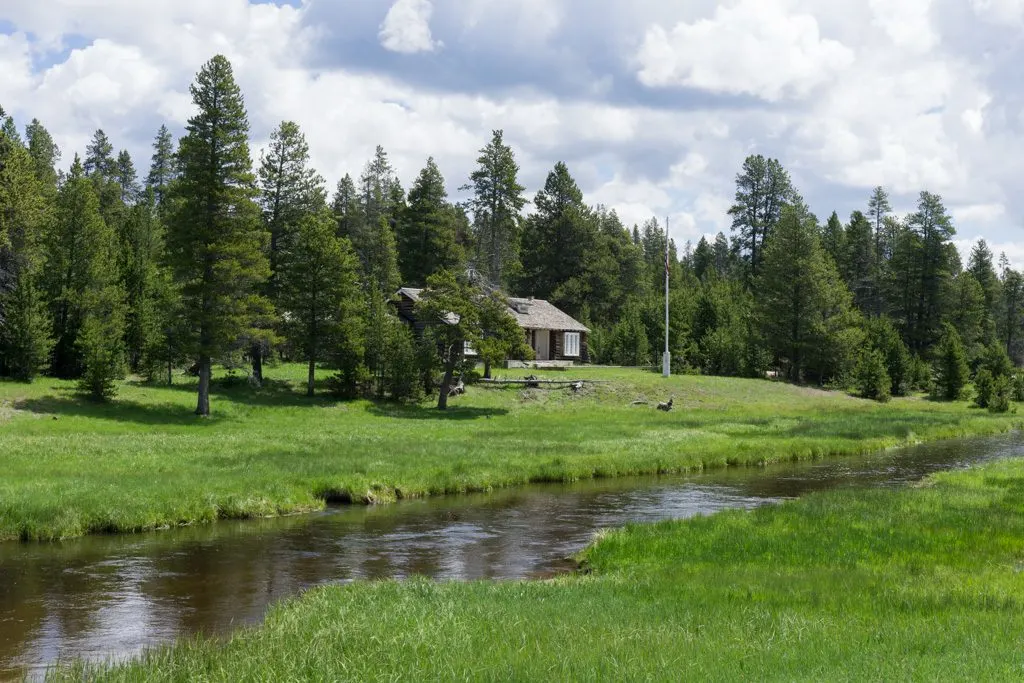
666	361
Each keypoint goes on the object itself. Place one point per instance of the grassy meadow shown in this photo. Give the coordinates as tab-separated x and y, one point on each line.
923	583
71	467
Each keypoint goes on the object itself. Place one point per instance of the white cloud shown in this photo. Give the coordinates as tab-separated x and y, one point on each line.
406	28
1000	11
756	47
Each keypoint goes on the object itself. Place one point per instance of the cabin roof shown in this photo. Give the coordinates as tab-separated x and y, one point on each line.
531	314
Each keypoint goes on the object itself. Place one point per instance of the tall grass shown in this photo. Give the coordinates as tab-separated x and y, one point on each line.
921	583
71	467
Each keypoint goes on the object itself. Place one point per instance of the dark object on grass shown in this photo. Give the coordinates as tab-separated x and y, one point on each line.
458	389
667	406
576	387
531	382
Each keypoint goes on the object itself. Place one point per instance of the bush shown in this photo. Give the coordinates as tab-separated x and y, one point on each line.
1018	387
996	361
1000	401
983	388
920	377
870	376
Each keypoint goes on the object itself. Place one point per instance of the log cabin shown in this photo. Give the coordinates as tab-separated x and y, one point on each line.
554	336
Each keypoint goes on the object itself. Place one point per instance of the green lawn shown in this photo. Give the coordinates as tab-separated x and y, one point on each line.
924	583
71	467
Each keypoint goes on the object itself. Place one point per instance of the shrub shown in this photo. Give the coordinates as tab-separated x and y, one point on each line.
870	376
983	388
1018	387
1000	400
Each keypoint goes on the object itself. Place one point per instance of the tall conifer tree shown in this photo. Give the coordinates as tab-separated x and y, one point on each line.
216	240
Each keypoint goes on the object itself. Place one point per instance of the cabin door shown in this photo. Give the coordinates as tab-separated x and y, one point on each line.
542	345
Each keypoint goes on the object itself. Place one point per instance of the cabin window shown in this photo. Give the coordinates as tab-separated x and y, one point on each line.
467	349
571	345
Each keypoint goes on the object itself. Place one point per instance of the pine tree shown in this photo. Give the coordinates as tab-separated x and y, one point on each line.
496	204
101	338
934	230
216	240
142	251
834	241
163	169
345	205
967	312
25	340
127	178
1011	312
429	238
557	243
883	336
290	190
878	210
763	188
804	308
73	243
373	237
950	368
319	290
45	155
858	263
703	259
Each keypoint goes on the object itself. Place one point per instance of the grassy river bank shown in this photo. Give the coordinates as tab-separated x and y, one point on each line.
145	462
922	583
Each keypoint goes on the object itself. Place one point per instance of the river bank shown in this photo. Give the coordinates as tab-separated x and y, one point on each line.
912	583
145	462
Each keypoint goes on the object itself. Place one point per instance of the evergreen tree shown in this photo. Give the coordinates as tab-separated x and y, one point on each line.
290	190
99	156
101	338
75	241
763	188
934	230
968	313
834	241
25	341
127	178
216	240
1011	313
879	209
319	291
557	243
429	238
703	259
373	235
45	155
883	336
871	377
800	297
496	204
163	169
142	251
950	368
858	263
345	204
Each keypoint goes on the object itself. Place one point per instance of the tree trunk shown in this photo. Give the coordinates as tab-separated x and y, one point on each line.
487	370
170	373
312	377
203	407
446	383
257	362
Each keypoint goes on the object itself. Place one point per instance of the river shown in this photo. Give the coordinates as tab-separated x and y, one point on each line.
113	596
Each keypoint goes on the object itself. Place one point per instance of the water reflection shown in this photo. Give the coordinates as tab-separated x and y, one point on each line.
113	596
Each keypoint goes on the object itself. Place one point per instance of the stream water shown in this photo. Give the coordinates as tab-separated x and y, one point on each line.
113	596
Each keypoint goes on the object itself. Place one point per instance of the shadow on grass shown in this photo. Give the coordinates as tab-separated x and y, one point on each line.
273	392
454	413
119	410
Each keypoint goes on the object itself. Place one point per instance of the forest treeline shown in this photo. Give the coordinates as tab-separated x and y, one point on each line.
209	258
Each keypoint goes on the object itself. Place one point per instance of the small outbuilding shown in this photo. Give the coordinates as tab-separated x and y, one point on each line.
554	335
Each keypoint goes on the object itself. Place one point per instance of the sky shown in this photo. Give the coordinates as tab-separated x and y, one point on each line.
653	104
